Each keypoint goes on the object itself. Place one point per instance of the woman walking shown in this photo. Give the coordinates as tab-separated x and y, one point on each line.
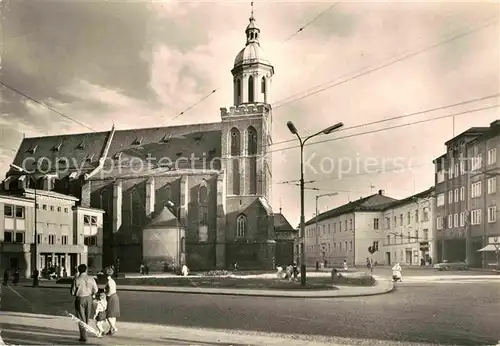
113	309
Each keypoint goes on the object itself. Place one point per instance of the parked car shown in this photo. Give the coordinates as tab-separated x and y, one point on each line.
445	265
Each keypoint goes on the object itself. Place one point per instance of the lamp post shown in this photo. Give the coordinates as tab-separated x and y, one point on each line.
317	212
35	236
294	131
177	209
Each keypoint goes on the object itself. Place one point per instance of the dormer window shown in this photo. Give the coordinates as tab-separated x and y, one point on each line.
81	146
57	147
197	138
138	141
89	158
117	156
33	149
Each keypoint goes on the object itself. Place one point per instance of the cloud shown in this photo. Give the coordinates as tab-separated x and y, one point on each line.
142	64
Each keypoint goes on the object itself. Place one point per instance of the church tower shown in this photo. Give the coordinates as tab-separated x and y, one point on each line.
246	139
247	125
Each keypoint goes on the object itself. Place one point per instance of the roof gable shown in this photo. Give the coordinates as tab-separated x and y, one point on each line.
281	223
163	218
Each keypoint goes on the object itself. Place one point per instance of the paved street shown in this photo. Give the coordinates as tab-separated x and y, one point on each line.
423	311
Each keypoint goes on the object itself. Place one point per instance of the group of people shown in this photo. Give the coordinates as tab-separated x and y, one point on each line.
291	272
90	302
15	277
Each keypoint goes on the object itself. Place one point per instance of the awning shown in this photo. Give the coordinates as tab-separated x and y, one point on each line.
488	248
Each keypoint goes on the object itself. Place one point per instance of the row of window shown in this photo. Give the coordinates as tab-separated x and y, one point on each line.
19	237
416	213
458	194
460	220
409	238
13	211
329	248
251	91
19	212
457	169
330	228
52	208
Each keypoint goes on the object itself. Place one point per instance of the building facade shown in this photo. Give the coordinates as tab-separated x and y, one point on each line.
286	236
66	235
346	232
215	179
409	234
466	192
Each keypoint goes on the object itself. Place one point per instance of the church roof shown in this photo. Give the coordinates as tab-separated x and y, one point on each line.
163	219
84	150
252	53
281	224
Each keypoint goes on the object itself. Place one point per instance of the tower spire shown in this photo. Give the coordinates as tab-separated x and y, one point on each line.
252	31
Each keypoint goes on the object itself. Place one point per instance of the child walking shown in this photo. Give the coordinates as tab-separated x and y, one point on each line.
100	306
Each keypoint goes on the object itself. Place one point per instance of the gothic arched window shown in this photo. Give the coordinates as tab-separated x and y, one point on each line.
203	204
236	177
252	141
235	142
250	90
253	176
241	226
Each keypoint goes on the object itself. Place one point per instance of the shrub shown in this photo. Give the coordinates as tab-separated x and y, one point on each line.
215	273
353	280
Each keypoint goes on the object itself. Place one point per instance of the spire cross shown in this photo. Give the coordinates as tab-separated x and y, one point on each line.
251	14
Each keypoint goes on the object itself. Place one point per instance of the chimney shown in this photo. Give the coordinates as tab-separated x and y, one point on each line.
150	196
381	192
85	196
117	205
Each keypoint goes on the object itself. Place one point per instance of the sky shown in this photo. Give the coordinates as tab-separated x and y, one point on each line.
140	63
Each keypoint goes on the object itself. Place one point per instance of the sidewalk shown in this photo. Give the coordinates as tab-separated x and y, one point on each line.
35	329
382	286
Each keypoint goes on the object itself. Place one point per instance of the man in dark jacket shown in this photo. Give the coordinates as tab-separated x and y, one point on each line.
83	289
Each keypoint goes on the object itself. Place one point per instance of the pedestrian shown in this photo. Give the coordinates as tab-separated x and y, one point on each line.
100	307
295	271
6	275
16	277
345	265
83	289
36	278
113	308
146	269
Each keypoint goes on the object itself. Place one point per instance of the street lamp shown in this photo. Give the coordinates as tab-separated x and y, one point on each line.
35	240
294	131
177	209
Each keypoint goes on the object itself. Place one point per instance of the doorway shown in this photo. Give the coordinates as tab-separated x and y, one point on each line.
14	263
388	258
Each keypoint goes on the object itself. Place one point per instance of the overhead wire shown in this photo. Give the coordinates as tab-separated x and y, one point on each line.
312	21
296	97
477	99
387	128
46	106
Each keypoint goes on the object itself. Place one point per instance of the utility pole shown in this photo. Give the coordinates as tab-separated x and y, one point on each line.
294	131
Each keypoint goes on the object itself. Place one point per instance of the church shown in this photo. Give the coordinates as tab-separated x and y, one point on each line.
195	194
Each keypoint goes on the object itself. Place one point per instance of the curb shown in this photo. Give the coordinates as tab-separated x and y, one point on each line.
282	294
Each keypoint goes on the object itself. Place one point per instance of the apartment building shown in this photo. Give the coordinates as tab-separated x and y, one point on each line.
409	233
66	235
346	232
466	190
